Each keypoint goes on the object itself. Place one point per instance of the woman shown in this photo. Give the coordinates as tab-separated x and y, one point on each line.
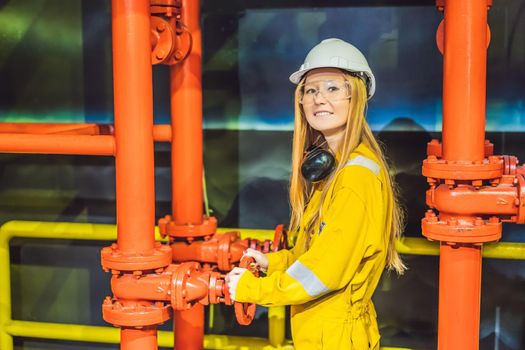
347	222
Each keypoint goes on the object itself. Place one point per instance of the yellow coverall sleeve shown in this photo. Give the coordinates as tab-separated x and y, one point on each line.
328	265
281	260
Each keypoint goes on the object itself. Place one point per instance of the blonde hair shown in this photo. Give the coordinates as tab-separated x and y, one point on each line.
357	131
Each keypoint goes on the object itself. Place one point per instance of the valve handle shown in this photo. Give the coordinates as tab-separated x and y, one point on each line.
245	312
280	238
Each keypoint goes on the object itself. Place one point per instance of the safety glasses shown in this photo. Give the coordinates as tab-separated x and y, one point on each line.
330	90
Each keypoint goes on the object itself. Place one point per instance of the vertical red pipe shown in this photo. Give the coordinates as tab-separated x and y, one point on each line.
133	94
459	297
189	328
464	92
138	339
186	122
186	160
464	79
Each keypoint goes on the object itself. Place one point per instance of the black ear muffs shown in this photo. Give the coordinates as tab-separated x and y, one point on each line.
318	163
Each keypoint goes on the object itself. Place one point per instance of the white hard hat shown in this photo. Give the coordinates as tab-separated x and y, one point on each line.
336	53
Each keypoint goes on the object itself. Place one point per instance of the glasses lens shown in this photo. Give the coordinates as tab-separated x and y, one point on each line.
331	90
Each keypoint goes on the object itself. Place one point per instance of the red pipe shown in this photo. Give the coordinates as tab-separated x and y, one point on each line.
160	132
464	80
138	339
186	160
189	328
55	128
133	95
186	123
459	297
464	91
133	103
148	287
58	144
467	200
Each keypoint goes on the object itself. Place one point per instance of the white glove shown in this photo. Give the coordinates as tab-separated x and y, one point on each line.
260	259
232	279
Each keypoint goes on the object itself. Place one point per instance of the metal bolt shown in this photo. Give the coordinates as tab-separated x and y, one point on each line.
161	27
493	220
477	183
160	54
493	159
178	55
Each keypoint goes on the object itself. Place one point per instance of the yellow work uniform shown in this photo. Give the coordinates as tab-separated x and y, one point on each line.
330	285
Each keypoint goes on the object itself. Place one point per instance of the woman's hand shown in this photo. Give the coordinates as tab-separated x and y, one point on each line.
232	279
260	259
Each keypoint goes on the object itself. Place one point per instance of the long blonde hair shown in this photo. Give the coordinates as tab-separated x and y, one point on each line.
357	131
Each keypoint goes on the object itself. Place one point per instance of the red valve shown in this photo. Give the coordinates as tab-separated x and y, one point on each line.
246	311
280	238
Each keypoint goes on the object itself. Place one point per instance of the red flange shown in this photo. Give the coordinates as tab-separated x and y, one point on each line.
461	230
168	8
224	254
190	285
520	219
112	258
171	44
168	227
135	313
489	168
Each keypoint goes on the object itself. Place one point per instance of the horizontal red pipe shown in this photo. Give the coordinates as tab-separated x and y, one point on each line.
56	128
161	132
148	287
467	200
207	251
103	145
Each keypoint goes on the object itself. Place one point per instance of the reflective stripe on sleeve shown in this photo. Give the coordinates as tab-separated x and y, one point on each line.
310	282
365	162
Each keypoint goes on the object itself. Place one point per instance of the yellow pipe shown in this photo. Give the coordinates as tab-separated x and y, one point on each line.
96	334
417	246
111	335
499	250
82	231
276	325
504	250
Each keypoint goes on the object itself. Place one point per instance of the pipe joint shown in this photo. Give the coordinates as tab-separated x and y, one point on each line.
168	227
117	260
135	313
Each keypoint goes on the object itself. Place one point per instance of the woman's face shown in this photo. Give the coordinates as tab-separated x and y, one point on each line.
326	100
